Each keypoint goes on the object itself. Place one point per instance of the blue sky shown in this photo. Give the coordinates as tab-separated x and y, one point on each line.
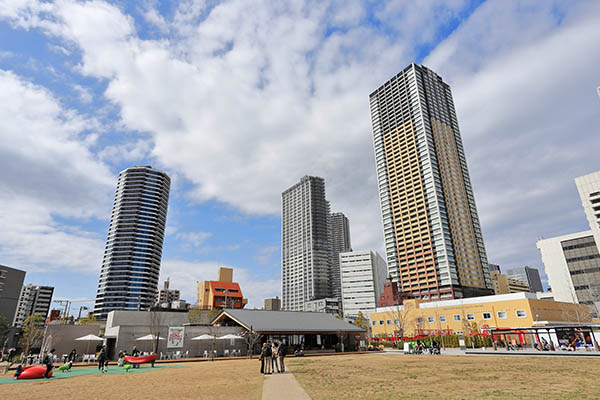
237	100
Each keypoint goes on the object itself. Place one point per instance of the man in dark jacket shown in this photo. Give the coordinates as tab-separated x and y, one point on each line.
102	359
266	362
49	363
282	354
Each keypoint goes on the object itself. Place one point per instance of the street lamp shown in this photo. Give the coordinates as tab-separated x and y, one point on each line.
81	308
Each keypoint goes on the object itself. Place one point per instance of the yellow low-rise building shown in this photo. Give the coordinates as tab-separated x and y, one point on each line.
474	315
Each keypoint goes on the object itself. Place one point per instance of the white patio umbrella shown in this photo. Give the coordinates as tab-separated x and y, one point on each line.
90	338
203	337
150	338
230	336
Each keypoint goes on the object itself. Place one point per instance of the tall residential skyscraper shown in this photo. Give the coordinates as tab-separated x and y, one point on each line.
34	299
305	244
340	243
131	264
433	241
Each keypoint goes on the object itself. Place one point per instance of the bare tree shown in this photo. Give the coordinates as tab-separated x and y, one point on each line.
251	338
580	314
155	321
214	331
403	319
32	332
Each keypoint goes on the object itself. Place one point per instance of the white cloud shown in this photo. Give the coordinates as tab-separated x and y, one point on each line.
253	92
184	276
243	98
525	103
84	94
194	239
131	152
267	254
47	172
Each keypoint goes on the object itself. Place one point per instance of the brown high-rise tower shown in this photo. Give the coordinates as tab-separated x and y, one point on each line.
434	246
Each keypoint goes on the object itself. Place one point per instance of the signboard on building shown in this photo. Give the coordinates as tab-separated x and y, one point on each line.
175	338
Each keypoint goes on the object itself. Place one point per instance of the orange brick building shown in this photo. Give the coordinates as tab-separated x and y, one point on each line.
222	293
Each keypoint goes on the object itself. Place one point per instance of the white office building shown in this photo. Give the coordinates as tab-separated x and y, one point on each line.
363	274
572	262
588	187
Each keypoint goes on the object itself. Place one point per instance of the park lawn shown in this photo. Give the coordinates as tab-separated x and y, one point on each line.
383	376
224	380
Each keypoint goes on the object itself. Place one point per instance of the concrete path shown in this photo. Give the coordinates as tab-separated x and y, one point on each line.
278	386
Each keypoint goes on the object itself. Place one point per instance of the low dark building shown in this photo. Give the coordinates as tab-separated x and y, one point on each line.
295	329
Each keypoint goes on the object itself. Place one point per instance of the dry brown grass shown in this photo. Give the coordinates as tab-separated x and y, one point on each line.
235	379
381	376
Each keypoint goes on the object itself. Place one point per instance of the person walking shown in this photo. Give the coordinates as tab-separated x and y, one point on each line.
72	355
71	358
275	357
102	359
49	363
282	351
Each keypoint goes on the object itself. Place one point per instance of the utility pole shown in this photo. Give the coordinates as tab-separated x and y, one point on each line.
67	304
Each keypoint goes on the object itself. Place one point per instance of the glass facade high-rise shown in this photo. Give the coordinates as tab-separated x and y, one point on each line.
529	275
132	256
340	243
305	244
433	241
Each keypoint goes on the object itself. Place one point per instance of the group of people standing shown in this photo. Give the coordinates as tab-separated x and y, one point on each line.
272	358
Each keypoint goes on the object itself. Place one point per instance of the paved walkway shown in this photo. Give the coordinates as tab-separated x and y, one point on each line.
285	385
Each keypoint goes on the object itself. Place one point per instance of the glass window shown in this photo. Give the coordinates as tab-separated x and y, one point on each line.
381	322
442	318
430	319
470	317
487	315
389	321
521	314
502	314
374	323
457	317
